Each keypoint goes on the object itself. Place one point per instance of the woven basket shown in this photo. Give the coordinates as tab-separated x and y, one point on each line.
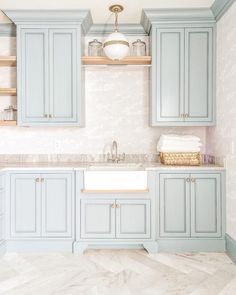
180	159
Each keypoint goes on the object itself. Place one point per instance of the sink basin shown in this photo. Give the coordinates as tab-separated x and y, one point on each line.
116	166
117	180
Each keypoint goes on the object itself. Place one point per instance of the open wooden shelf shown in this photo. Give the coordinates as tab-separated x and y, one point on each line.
7	61
7	123
130	60
8	91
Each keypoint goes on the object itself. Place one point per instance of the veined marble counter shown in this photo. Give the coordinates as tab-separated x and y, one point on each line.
86	166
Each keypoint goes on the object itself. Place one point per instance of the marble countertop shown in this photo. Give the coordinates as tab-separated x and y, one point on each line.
85	166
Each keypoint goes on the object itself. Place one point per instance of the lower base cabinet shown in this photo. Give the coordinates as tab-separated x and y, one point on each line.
41	205
120	219
190	205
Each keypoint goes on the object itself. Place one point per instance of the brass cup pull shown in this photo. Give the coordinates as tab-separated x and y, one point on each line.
186	115
37	179
113	206
193	179
188	179
117	206
50	116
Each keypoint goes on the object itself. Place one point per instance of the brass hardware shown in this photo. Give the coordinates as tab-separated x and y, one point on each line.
45	115
116	8
193	179
42	179
188	179
114	42
186	115
37	179
117	206
113	206
50	116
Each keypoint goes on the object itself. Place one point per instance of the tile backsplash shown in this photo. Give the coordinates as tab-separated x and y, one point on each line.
117	108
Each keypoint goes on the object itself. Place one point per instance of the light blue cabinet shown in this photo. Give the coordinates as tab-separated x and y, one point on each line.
174	205
25	205
41	205
56	205
115	218
49	88
206	217
98	219
191	205
182	76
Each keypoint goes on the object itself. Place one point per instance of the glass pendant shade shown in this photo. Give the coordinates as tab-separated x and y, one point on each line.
116	46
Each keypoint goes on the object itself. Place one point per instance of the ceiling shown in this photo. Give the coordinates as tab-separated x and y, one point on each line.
99	8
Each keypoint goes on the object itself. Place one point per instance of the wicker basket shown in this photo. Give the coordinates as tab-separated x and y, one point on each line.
180	159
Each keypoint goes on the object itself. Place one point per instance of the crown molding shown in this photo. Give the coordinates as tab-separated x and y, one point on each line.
7	30
127	29
160	16
77	17
219	7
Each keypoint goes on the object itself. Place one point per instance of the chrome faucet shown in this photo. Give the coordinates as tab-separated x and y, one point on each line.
114	157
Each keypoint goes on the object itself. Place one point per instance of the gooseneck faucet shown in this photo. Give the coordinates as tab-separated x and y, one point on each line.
114	157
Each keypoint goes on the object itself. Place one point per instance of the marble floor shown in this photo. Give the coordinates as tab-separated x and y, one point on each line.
117	272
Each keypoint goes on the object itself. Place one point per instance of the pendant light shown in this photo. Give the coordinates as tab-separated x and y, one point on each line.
116	46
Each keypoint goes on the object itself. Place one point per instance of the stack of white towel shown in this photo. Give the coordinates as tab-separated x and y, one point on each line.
174	143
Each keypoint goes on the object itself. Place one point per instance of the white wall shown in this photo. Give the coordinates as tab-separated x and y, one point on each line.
116	108
222	139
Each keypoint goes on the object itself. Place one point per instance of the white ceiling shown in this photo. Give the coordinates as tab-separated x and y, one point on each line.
99	8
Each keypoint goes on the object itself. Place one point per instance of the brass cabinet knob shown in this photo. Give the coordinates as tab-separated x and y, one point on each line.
37	179
117	206
45	115
50	116
113	206
193	179
188	179
186	115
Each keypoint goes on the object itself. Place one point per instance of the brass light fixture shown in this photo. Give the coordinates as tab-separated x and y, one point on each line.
116	46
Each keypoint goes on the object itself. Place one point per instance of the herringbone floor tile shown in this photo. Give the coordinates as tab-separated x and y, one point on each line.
117	272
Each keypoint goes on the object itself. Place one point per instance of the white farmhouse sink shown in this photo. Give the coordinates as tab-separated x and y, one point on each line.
116	166
115	180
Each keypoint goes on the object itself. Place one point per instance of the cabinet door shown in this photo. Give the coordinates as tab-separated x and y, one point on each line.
168	101
33	75
25	205
57	205
206	205
198	75
174	205
98	219
133	219
63	75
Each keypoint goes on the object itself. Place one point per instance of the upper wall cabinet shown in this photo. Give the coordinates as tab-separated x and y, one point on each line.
49	74
182	74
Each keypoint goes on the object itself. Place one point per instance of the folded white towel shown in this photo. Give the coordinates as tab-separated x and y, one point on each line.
179	137
178	150
179	143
